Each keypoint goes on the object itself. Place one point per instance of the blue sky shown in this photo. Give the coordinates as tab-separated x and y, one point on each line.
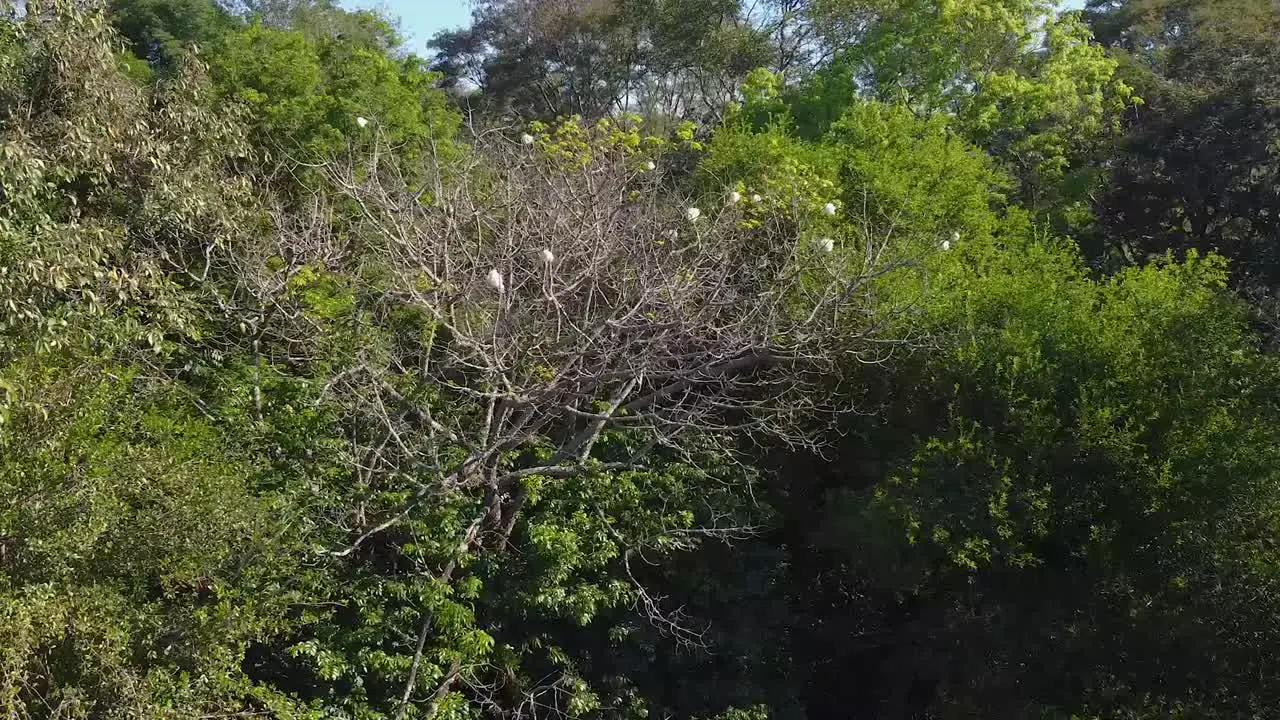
420	19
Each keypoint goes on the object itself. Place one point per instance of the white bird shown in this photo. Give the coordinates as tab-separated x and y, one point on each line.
735	197
757	199
692	214
526	139
548	257
650	166
362	121
494	279
826	244
829	208
946	244
955	236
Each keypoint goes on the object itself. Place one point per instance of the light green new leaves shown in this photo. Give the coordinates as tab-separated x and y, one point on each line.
1015	76
1051	104
305	93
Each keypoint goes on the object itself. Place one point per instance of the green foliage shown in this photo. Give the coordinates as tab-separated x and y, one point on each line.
251	459
893	175
305	94
787	175
304	72
545	59
1014	76
1089	449
137	561
1197	165
994	63
1202	43
914	175
1120	346
162	31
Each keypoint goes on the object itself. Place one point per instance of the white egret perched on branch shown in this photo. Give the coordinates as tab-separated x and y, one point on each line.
494	280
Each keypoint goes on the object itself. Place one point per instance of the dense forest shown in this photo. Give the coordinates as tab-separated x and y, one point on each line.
623	359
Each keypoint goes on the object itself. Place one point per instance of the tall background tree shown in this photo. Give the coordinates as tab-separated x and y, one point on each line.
547	58
1197	166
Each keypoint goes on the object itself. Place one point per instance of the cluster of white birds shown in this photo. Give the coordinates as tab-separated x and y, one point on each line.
496	282
735	197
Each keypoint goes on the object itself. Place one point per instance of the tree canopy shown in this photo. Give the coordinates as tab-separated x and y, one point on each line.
629	359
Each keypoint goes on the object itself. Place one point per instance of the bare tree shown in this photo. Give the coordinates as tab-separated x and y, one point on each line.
564	291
